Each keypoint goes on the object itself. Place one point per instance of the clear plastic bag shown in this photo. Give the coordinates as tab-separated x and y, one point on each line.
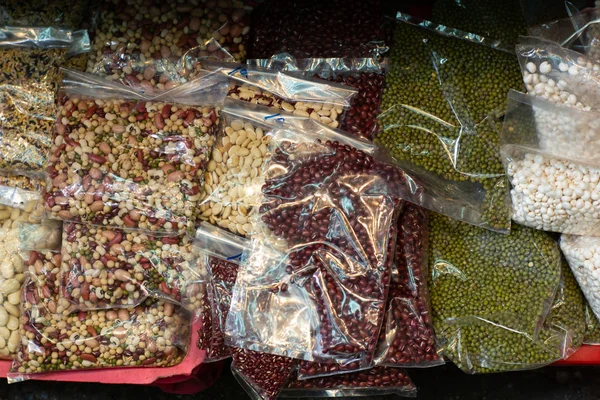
262	376
141	163
540	11
364	74
234	176
219	253
63	13
318	29
444	90
407	338
55	338
315	283
305	97
491	294
105	268
592	327
550	154
377	381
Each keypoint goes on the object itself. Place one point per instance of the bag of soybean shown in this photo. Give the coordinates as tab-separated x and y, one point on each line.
444	92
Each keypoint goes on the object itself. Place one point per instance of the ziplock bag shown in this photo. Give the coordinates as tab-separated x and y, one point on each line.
551	162
219	252
540	11
129	162
592	328
559	75
261	375
377	381
315	281
63	13
234	176
14	194
55	338
305	97
407	338
106	268
491	293
30	58
444	90
318	29
364	74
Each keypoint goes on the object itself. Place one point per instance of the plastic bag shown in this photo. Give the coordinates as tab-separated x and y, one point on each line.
540	11
54	338
139	164
364	74
63	13
234	176
551	160
377	381
318	29
106	268
502	21
559	75
220	253
592	327
315	282
444	90
491	293
407	337
305	97
261	375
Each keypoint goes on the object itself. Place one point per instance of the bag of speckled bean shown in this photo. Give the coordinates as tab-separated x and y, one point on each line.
105	268
125	161
325	102
55	337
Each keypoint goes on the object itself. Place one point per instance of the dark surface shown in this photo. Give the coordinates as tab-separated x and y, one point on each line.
447	382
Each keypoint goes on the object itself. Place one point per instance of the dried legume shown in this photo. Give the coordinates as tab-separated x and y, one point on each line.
64	13
260	373
592	327
129	164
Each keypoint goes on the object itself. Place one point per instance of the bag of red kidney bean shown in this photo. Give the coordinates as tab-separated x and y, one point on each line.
376	381
364	74
407	338
314	284
219	253
326	102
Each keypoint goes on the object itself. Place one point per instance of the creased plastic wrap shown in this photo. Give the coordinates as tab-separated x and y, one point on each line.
64	13
592	327
315	283
126	162
444	90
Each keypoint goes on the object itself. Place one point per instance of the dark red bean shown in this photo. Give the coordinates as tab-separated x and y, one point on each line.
377	377
267	374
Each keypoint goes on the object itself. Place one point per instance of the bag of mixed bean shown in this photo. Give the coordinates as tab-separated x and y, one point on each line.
315	282
219	254
63	13
125	161
364	74
57	338
305	97
444	90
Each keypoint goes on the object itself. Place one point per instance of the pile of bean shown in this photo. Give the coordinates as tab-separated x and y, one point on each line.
434	112
265	374
133	33
492	291
233	178
56	339
317	29
107	268
129	164
407	337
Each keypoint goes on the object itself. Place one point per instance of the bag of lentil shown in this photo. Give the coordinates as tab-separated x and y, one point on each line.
377	381
444	91
325	239
104	268
491	294
219	254
305	97
234	176
125	161
364	74
551	160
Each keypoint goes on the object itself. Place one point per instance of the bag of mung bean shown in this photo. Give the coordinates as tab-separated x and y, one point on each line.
126	161
444	91
306	97
364	74
325	239
219	254
592	327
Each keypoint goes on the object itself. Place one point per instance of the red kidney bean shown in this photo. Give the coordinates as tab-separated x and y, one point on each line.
267	374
